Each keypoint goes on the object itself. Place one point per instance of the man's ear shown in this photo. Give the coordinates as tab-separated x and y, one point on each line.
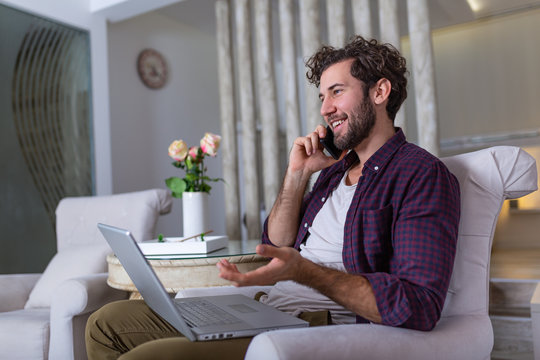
381	91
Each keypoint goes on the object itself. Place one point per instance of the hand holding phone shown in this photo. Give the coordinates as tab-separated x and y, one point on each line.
328	143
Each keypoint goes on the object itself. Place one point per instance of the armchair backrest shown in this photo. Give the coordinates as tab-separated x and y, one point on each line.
77	217
81	247
487	178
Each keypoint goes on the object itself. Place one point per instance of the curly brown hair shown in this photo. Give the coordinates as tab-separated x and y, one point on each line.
373	61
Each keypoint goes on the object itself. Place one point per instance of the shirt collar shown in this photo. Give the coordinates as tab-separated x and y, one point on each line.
381	156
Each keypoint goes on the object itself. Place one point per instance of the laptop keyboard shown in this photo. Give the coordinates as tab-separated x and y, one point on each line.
203	313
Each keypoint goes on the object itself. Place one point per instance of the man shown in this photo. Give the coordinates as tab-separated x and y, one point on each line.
377	233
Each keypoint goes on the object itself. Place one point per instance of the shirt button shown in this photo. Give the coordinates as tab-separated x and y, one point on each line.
305	225
323	199
376	168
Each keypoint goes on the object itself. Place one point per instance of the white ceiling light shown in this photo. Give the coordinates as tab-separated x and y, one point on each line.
475	5
483	8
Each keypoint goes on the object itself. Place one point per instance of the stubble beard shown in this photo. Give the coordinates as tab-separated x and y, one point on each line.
361	122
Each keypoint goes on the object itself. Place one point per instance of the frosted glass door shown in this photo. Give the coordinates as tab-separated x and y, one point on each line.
45	133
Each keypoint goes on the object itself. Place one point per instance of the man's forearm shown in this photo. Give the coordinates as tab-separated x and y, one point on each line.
285	215
354	292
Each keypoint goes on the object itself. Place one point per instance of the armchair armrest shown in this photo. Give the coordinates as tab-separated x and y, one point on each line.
73	301
455	337
83	295
15	290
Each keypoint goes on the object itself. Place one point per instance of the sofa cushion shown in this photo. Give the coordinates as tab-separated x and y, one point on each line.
69	263
31	340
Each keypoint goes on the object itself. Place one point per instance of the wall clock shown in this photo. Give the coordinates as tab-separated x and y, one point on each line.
152	68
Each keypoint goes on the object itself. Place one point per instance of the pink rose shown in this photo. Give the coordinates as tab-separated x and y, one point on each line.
178	150
193	152
210	144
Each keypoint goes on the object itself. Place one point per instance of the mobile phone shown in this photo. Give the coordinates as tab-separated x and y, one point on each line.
328	143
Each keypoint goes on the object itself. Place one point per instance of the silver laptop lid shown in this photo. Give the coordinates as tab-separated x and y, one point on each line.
144	277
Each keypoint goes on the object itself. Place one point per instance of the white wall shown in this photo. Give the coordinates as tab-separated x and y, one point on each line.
487	76
144	122
100	105
490	68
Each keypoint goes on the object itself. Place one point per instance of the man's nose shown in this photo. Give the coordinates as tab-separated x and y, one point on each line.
327	107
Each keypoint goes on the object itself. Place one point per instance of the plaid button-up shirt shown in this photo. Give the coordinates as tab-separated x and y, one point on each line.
400	232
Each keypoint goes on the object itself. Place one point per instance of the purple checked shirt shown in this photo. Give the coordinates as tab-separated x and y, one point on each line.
400	232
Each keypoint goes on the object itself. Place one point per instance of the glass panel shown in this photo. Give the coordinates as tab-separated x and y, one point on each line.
45	133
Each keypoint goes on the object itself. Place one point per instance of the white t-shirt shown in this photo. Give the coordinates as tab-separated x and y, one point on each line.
324	246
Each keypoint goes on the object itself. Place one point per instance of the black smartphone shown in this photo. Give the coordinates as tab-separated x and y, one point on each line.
328	143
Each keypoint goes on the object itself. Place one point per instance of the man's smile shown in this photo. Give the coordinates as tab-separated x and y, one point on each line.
335	123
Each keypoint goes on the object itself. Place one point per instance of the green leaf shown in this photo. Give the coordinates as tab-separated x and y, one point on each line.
206	178
205	188
177	186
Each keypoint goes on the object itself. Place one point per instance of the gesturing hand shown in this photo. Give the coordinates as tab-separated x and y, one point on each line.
285	264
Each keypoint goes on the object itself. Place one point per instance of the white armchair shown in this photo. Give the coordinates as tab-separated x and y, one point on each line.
44	315
487	177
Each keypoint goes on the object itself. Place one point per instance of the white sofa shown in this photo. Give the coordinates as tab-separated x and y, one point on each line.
487	177
44	315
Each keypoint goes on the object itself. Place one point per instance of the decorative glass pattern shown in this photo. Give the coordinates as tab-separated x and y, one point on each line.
47	127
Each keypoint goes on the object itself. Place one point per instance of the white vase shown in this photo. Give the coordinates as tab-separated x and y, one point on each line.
195	213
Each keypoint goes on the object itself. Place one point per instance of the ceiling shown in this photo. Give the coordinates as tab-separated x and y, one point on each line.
443	13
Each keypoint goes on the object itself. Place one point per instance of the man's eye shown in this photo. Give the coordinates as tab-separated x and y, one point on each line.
337	91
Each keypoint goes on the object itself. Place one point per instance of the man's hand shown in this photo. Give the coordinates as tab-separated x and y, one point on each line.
285	265
354	292
306	157
307	153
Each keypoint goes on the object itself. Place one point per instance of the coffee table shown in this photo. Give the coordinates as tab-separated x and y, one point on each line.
188	271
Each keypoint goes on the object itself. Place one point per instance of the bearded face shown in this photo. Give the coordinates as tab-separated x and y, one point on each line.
361	122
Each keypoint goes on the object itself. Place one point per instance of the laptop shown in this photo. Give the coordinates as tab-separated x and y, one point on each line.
197	318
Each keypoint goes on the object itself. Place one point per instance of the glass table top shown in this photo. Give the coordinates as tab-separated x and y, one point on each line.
234	248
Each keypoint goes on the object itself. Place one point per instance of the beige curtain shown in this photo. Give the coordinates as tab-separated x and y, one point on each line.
266	102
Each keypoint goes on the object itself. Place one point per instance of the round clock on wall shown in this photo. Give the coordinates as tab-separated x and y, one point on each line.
152	68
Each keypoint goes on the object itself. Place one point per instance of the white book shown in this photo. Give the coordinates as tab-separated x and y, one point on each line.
174	245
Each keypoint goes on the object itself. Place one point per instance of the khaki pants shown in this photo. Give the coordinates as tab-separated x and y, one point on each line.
130	330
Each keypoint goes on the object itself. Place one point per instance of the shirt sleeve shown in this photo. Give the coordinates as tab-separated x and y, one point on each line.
265	239
425	230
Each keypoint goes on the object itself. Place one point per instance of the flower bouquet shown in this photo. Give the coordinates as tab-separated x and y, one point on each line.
192	161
